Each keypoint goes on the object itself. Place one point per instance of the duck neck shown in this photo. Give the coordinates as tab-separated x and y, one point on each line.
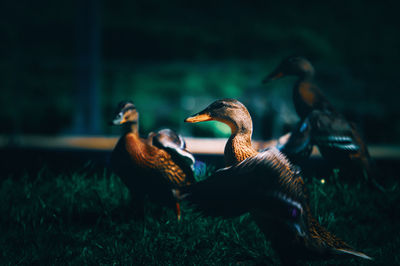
239	145
306	75
131	127
304	94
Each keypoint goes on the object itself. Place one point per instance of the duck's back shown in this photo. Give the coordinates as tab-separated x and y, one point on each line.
287	220
336	138
180	157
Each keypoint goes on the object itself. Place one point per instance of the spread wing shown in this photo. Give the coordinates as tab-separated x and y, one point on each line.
257	182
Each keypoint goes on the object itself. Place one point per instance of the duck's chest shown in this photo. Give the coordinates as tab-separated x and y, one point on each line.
127	153
236	150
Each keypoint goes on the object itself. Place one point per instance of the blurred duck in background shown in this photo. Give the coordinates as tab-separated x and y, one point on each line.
150	167
266	185
338	140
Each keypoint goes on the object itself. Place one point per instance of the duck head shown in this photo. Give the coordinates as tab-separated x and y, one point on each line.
126	114
228	111
291	66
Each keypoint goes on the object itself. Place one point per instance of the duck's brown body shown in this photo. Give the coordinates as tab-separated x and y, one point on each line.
337	139
314	241
270	188
148	170
132	152
308	97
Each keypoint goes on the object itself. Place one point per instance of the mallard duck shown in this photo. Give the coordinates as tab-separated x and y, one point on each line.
306	94
266	185
234	114
337	139
153	166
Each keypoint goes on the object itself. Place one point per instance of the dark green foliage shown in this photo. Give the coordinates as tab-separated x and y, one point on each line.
84	218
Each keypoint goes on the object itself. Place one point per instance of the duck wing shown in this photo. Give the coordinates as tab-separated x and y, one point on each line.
175	145
334	135
272	190
254	183
340	141
172	142
283	214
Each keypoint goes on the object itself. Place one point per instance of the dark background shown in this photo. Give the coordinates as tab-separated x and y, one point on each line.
64	65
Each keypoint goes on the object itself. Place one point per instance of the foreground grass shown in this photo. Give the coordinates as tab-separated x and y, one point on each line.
84	218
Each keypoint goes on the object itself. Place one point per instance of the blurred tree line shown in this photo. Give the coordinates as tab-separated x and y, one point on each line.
63	60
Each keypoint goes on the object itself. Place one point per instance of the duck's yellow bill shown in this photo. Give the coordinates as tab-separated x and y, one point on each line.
198	118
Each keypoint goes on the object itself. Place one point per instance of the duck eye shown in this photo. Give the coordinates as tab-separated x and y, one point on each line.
219	105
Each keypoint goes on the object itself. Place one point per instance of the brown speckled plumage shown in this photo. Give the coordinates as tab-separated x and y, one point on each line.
292	238
238	148
147	169
145	156
272	190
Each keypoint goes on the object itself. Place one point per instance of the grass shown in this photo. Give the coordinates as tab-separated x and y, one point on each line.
84	218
